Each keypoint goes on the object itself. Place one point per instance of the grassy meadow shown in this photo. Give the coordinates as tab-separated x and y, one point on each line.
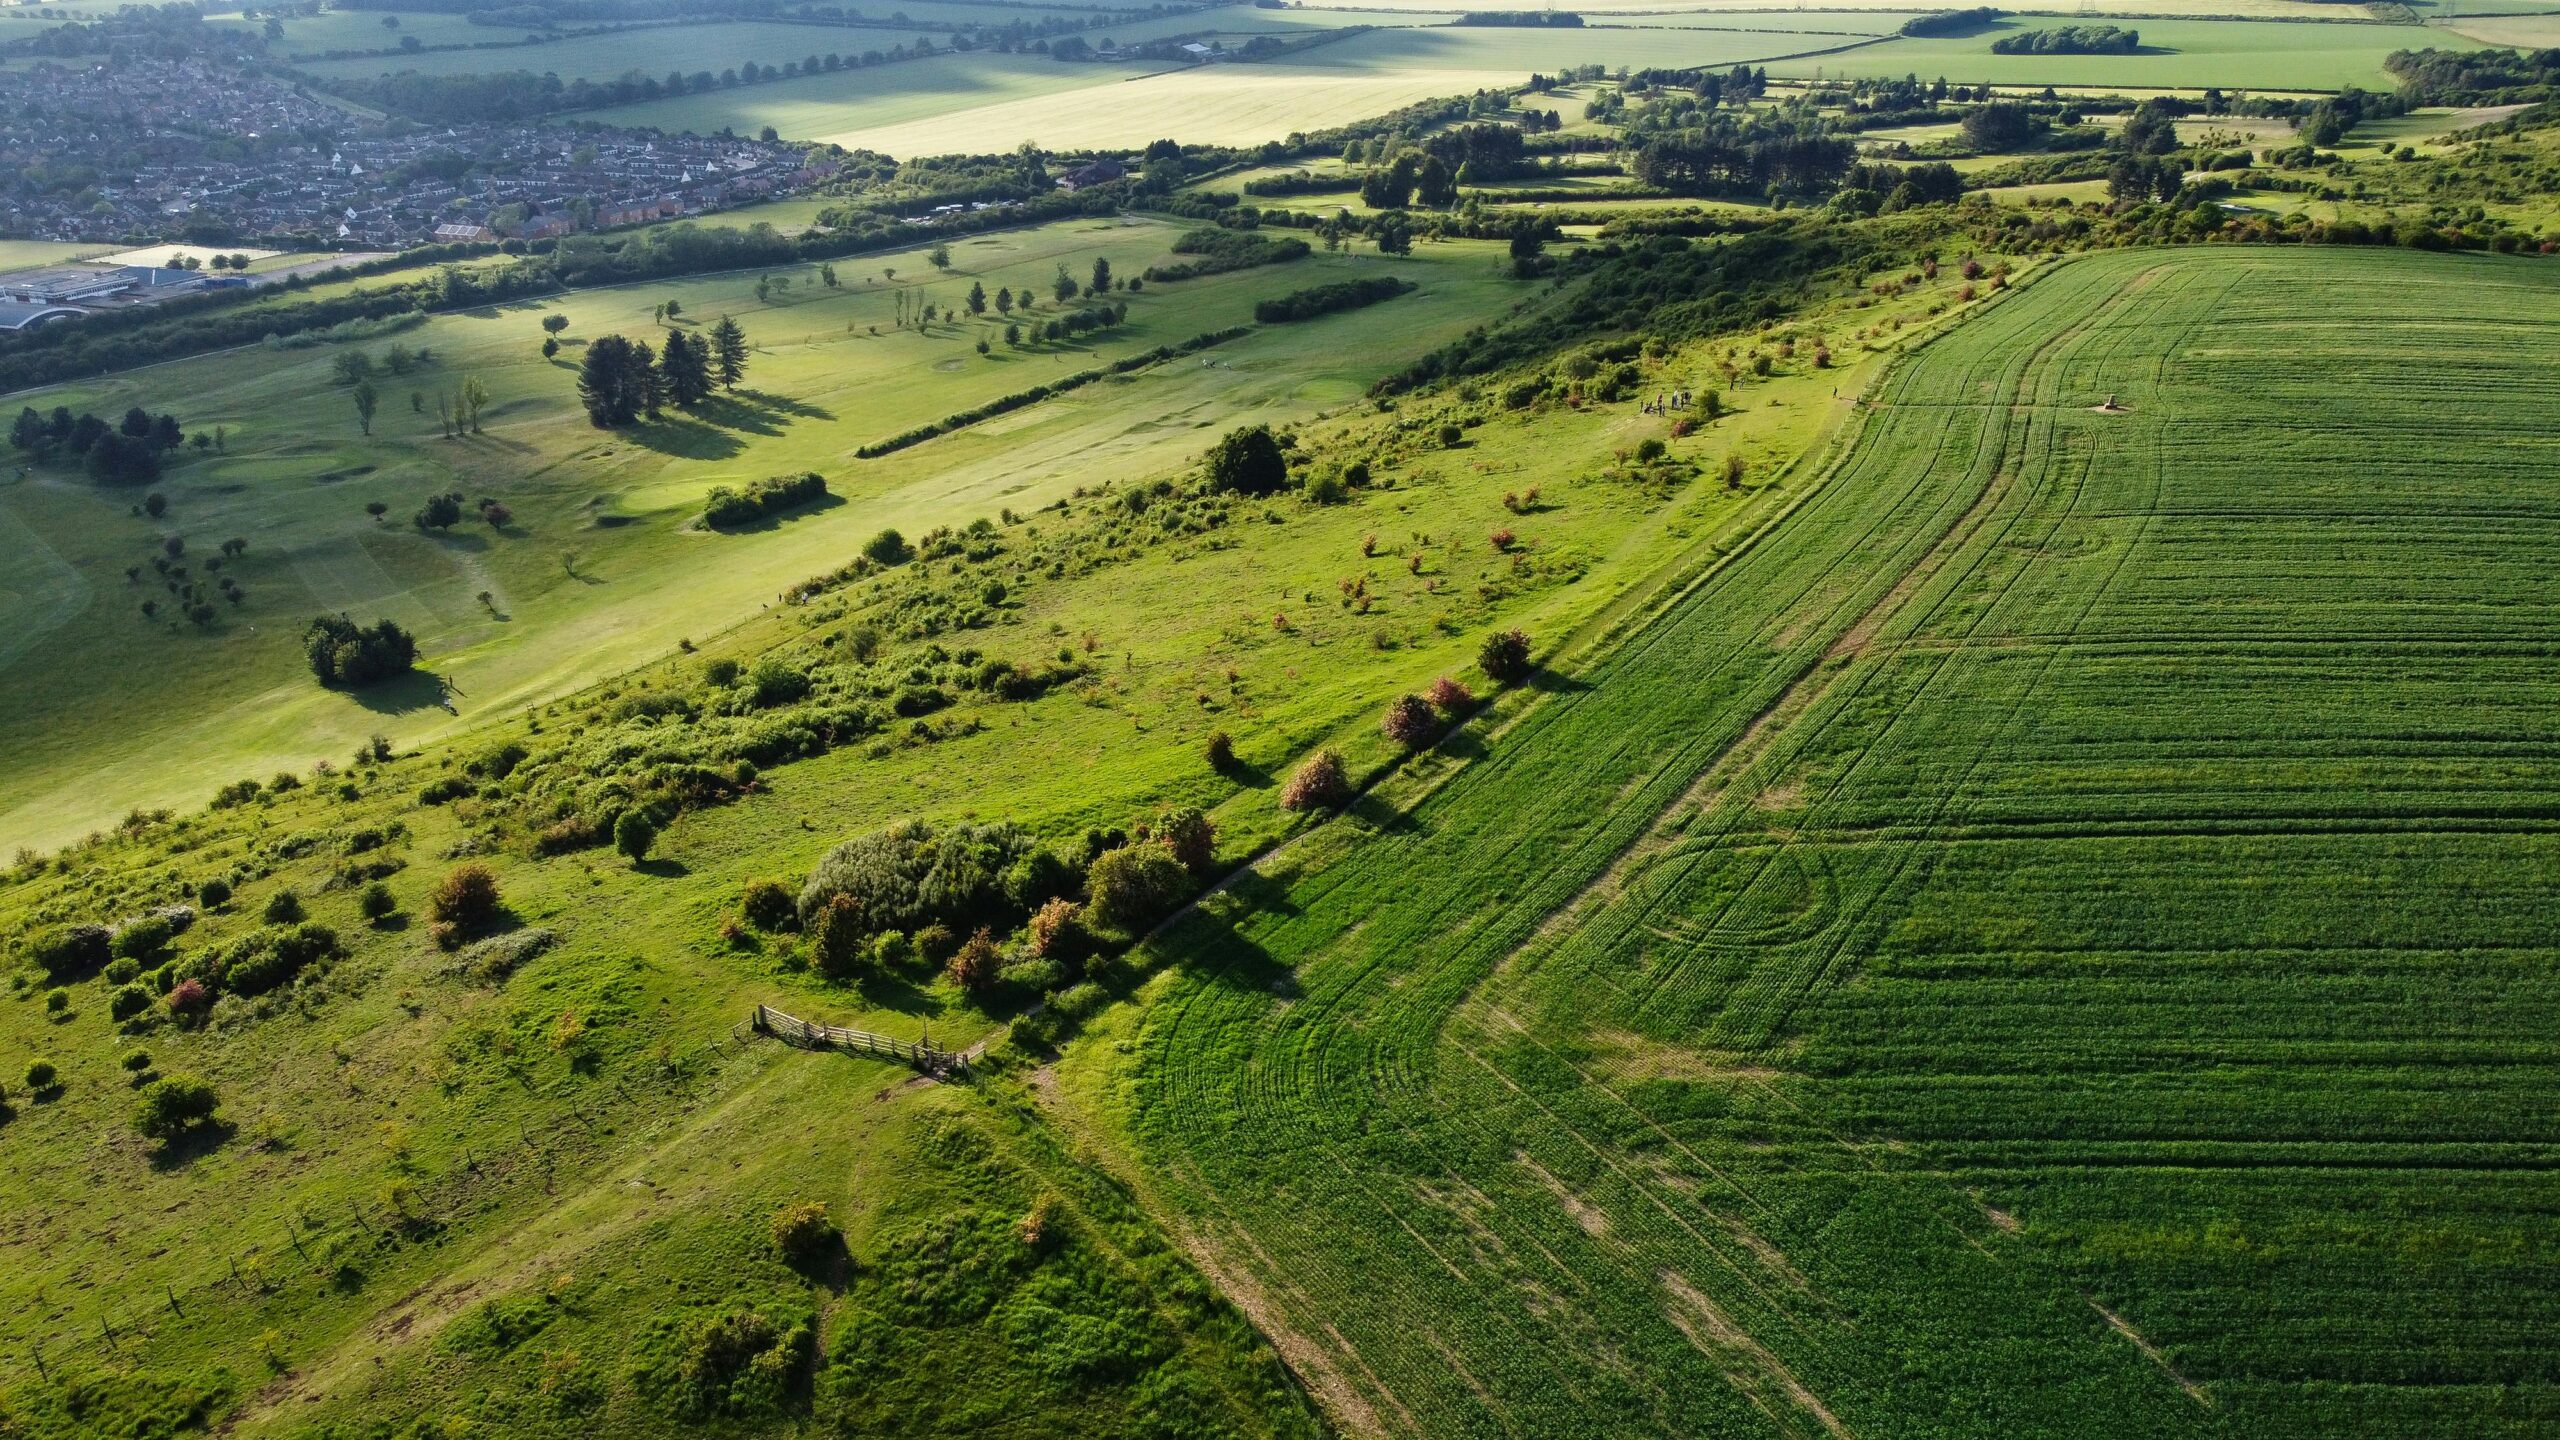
2066	949
844	107
2176	54
601	567
483	1202
32	254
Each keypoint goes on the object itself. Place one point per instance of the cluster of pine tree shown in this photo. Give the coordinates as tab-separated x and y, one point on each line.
623	379
125	454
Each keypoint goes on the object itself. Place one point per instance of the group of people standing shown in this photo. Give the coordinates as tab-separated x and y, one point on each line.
1665	404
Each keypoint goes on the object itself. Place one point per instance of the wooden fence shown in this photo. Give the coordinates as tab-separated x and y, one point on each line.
809	1035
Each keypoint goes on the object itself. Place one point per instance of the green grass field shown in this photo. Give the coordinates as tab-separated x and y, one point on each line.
2176	54
2517	32
297	475
652	50
364	30
847	107
987	102
31	254
2054	937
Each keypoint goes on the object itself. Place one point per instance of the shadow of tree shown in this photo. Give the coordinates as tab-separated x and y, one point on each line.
1247	774
1208	944
194	1144
763	523
416	690
1382	817
1548	682
779	404
685	437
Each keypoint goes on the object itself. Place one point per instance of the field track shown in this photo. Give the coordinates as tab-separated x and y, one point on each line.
2054	939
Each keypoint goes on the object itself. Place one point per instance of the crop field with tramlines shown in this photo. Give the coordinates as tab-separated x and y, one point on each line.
2053	935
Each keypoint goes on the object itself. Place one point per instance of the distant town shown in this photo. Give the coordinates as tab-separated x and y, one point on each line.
200	150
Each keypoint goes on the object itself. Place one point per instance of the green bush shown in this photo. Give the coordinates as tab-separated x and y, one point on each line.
1136	884
171	1108
377	902
911	876
739	1364
804	1235
265	959
41	1076
767	906
129	1001
71	952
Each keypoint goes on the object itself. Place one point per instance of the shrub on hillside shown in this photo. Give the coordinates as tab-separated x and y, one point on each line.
738	1364
42	1076
1247	462
265	959
174	1107
189	1000
912	876
1505	657
71	952
1220	752
1410	721
464	903
129	1001
977	964
1451	698
1136	884
1191	835
283	908
1320	783
633	834
1057	931
804	1235
377	903
836	940
767	906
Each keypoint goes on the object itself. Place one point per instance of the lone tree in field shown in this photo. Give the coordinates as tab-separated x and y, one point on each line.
977	297
1101	275
343	653
1319	784
728	353
367	401
940	255
468	402
1505	657
554	324
633	835
1248	462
